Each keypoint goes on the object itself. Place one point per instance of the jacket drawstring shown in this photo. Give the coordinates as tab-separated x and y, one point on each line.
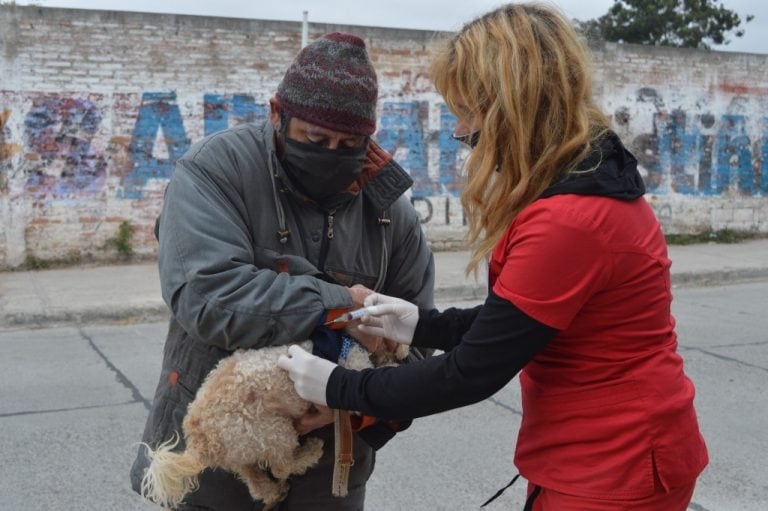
384	222
282	232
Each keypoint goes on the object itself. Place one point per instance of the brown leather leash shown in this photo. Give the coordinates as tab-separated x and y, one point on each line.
343	459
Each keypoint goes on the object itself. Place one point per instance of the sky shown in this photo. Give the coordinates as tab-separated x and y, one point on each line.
447	15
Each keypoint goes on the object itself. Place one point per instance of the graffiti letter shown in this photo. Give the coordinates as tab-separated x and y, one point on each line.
402	129
158	111
677	149
7	149
733	152
764	162
423	219
450	178
218	108
61	129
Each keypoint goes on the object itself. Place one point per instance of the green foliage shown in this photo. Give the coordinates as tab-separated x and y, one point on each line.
123	240
33	263
678	23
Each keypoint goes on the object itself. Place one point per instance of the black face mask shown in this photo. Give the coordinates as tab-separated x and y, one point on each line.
323	174
469	139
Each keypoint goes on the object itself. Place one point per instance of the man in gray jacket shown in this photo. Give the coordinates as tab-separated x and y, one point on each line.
264	232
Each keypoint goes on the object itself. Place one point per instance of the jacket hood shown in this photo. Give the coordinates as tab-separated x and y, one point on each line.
615	173
383	180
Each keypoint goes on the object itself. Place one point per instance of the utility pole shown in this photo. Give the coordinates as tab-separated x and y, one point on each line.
305	29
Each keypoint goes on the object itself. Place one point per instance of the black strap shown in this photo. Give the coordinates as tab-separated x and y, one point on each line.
498	493
531	498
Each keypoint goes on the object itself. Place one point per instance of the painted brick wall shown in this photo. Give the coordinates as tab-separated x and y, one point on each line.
96	105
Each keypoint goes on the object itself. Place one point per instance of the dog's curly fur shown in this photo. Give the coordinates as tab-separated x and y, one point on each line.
241	420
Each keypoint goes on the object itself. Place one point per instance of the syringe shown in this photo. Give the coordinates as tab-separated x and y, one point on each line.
349	316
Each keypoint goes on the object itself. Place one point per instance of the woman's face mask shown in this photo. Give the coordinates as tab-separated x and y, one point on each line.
323	174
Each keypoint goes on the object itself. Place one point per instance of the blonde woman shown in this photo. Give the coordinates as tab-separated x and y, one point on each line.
579	288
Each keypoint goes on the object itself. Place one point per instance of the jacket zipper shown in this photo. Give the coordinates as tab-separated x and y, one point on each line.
327	237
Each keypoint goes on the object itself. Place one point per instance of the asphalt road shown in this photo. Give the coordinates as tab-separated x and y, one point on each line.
73	401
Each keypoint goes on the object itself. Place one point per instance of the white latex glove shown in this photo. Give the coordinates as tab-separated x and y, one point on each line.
390	317
309	373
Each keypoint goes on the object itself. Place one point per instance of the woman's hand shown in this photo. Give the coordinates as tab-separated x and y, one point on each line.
389	317
309	373
317	417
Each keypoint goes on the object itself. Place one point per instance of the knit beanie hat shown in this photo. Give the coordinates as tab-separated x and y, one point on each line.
332	83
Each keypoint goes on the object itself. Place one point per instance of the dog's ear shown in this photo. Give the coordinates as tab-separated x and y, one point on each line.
283	400
385	357
401	353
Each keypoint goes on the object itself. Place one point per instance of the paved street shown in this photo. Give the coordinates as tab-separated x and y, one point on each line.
73	402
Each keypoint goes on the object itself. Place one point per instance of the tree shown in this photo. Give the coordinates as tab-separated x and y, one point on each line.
679	23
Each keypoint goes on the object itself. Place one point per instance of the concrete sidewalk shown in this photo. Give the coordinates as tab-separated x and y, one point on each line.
132	292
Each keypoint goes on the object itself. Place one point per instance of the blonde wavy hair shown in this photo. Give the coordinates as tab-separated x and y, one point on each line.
526	72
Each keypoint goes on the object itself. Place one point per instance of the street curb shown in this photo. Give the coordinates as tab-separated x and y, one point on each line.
461	292
133	314
456	293
718	277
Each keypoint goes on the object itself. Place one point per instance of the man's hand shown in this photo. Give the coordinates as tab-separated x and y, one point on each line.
317	417
371	342
358	292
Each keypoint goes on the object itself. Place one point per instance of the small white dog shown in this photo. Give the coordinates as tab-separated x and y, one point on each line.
242	421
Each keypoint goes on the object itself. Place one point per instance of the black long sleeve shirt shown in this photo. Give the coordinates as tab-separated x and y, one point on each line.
485	347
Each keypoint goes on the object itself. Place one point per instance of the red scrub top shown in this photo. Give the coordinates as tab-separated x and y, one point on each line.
606	403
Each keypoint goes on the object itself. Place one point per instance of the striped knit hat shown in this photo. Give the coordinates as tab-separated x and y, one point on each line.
332	83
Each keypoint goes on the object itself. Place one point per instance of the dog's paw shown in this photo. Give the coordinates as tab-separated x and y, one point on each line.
313	448
272	500
307	455
283	489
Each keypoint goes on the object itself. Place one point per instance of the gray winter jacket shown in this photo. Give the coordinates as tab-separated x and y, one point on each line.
246	261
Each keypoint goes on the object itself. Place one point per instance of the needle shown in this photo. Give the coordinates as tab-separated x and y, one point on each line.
348	316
